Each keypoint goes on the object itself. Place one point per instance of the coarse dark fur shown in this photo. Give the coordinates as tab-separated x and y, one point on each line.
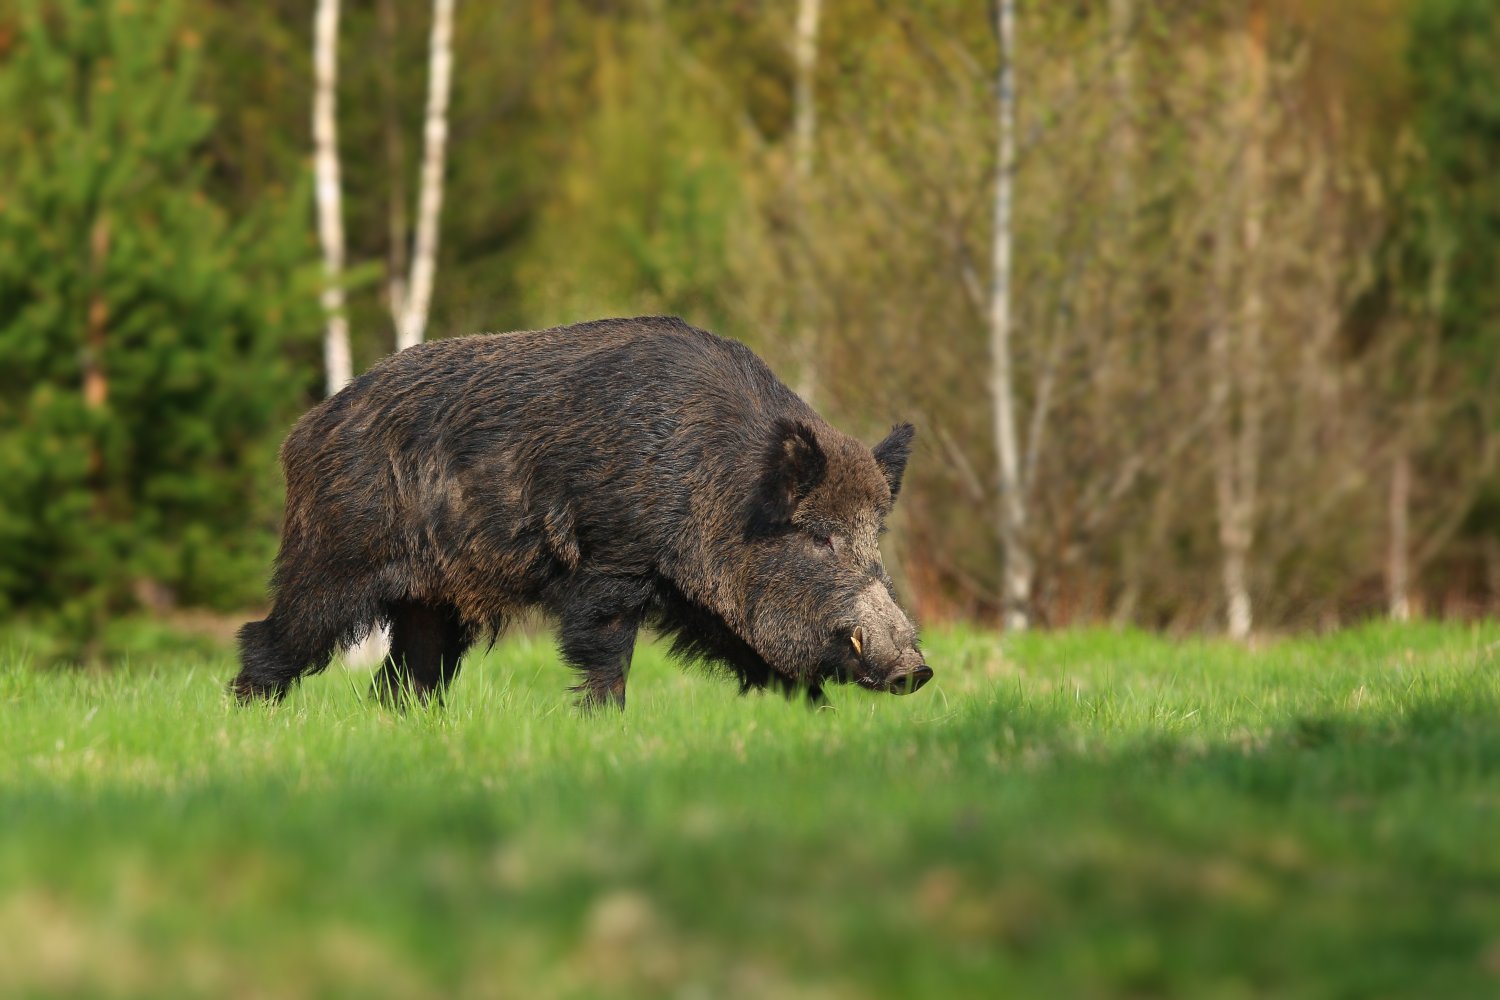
614	474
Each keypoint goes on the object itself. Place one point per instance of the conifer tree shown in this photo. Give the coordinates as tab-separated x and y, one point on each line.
142	386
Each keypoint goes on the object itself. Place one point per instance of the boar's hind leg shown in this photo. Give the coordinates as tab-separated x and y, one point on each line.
317	609
598	621
427	643
276	651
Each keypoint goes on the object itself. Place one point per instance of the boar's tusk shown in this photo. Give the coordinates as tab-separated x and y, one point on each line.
857	639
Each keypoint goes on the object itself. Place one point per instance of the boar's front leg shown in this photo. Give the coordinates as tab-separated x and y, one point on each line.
811	691
598	619
427	644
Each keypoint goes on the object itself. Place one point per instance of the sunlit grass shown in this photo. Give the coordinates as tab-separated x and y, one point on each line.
1087	814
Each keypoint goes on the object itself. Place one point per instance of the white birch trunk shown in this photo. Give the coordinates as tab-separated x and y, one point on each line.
1222	398
1015	593
1122	65
1238	389
398	235
337	363
1252	366
804	136
418	293
805	55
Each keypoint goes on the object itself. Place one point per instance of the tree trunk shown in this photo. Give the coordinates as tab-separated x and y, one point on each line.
1398	566
1015	594
337	363
1234	538
1492	573
398	234
1122	65
95	381
1238	365
804	135
430	200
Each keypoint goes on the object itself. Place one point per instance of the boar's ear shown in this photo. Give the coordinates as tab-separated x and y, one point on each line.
792	465
892	453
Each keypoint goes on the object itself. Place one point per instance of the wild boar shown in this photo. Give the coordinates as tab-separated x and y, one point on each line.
615	474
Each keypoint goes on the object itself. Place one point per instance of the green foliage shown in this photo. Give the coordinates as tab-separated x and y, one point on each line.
624	158
116	269
640	220
1080	815
1446	242
1454	62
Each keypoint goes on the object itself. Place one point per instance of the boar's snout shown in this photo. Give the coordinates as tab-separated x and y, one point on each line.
885	645
906	680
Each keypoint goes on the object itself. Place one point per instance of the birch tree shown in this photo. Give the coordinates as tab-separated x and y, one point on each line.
337	363
1122	66
804	135
398	231
418	292
1016	570
1237	392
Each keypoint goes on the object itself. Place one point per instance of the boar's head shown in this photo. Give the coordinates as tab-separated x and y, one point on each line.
818	601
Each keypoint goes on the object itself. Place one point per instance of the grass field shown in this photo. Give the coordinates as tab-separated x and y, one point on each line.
1080	815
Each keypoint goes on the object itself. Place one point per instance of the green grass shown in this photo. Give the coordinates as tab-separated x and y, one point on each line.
1082	815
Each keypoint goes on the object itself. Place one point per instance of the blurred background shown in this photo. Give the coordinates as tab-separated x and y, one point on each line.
1195	303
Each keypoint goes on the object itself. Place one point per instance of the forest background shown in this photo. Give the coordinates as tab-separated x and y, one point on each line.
1196	305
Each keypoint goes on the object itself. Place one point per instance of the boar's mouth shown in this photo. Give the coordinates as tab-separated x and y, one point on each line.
905	676
900	684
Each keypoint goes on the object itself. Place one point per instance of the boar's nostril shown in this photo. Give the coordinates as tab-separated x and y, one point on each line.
908	682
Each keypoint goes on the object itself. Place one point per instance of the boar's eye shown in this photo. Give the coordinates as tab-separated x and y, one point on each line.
824	541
